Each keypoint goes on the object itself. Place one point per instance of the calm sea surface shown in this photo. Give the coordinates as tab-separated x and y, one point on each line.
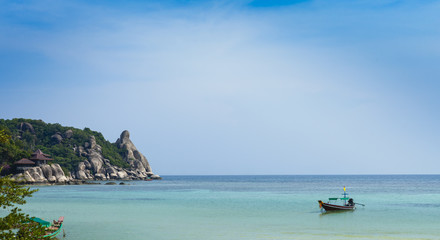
245	207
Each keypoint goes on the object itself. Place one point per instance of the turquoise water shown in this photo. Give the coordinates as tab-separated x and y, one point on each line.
245	207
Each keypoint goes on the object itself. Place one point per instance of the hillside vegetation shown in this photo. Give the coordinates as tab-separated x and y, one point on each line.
24	140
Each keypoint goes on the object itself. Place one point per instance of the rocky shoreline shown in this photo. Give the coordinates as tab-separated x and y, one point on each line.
82	182
95	168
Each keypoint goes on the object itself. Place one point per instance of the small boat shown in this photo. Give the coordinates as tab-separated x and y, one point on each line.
52	229
347	204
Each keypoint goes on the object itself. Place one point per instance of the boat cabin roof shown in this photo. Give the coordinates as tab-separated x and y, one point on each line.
41	221
334	199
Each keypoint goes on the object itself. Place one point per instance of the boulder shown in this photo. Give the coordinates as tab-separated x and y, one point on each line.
62	179
58	172
81	171
24	126
81	175
100	176
47	170
81	166
43	174
122	175
57	138
81	151
92	142
18	177
52	179
96	162
68	134
36	174
28	178
69	178
87	164
113	174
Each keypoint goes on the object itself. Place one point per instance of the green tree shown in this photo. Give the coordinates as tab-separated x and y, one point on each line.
16	224
3	136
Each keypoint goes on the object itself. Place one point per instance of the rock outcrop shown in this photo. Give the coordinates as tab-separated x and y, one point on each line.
24	126
57	138
96	167
132	156
68	134
44	173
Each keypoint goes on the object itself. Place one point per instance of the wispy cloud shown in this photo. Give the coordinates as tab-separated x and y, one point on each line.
279	88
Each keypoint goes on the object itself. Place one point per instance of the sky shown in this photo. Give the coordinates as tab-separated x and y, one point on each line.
234	87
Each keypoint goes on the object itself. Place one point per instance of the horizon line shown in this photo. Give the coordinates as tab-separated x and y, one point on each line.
366	174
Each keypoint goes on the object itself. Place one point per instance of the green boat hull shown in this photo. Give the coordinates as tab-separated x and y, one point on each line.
54	234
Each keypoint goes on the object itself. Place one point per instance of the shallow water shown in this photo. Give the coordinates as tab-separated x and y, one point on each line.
245	207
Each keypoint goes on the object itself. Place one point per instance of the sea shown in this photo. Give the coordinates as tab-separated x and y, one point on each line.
244	207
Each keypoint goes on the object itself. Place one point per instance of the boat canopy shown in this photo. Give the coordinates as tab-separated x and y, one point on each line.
334	199
41	222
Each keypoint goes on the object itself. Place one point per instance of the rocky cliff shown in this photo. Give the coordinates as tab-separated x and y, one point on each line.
99	168
96	167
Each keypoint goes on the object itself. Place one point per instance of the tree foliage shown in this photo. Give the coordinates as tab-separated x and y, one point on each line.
3	136
15	224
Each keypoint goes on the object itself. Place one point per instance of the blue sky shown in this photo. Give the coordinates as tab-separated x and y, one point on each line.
234	87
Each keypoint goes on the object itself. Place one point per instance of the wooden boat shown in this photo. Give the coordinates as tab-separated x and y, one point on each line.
52	229
334	207
348	203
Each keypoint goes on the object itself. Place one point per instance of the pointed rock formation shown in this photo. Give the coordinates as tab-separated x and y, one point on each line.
96	167
132	156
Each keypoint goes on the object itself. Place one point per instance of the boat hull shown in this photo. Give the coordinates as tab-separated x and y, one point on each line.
333	207
54	233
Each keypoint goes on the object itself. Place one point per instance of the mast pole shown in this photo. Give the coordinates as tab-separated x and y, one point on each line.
345	196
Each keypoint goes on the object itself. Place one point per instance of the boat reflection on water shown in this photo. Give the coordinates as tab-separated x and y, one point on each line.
334	213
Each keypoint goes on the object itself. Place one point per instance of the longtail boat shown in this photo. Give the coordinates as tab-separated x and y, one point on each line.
347	204
52	229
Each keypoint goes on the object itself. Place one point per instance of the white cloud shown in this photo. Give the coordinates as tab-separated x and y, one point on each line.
271	89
